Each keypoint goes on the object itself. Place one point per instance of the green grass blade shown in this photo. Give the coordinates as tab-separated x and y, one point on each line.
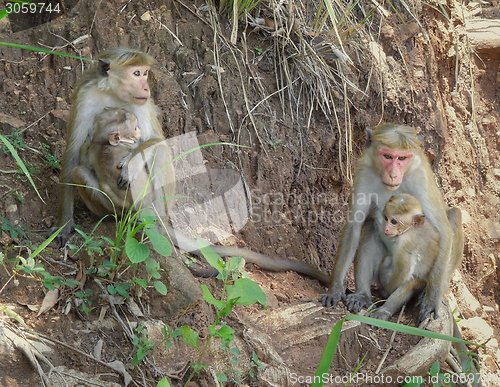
44	50
20	163
326	359
46	242
406	329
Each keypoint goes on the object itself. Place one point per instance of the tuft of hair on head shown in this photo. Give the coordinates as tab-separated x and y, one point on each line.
123	56
403	204
112	116
396	136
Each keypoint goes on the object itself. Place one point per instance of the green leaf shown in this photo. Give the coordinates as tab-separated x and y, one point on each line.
229	307
141	282
152	267
14	152
221	377
161	287
160	243
122	290
248	292
331	346
44	50
148	216
434	368
136	252
111	290
163	383
189	336
210	255
207	296
49	285
226	334
235	264
406	329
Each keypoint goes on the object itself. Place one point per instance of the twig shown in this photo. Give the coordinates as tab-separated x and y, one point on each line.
115	312
390	343
37	121
194	13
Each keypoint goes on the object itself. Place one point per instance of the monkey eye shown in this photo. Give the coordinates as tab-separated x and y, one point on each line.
402	158
388	156
146	73
394	221
137	73
385	218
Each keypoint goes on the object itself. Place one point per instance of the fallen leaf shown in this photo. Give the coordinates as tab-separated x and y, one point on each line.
49	301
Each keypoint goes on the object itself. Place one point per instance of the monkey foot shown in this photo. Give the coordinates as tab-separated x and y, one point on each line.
330	299
381	314
357	301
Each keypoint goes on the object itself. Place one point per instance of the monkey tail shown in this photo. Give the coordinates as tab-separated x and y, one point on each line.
261	260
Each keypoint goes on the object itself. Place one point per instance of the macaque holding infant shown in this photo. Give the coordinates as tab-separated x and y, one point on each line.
116	134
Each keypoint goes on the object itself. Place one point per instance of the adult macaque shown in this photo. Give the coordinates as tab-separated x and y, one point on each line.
393	164
116	134
413	246
119	80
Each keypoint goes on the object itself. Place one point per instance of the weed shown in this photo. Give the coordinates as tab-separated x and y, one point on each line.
274	144
141	344
236	290
255	363
84	297
16	140
53	161
14	232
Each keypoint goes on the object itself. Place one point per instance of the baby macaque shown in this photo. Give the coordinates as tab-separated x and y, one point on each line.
116	134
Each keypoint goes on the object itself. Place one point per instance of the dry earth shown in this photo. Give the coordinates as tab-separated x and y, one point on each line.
437	73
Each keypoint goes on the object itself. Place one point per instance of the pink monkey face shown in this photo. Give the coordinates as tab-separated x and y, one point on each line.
134	86
394	163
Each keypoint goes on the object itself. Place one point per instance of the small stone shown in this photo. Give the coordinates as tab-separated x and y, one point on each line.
11	208
476	330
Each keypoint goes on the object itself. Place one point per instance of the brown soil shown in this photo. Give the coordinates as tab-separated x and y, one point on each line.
291	166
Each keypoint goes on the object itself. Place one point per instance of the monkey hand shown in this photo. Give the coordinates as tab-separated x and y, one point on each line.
130	170
63	235
332	297
357	301
428	305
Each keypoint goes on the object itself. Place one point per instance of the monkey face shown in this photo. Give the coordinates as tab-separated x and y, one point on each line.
134	87
394	163
391	226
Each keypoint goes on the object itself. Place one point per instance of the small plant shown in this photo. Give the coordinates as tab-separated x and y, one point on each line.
259	50
255	363
236	290
84	297
274	144
242	6
53	161
16	140
141	344
14	232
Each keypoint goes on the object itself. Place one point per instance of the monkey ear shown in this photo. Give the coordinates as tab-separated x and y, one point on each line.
114	138
418	220
369	136
103	67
